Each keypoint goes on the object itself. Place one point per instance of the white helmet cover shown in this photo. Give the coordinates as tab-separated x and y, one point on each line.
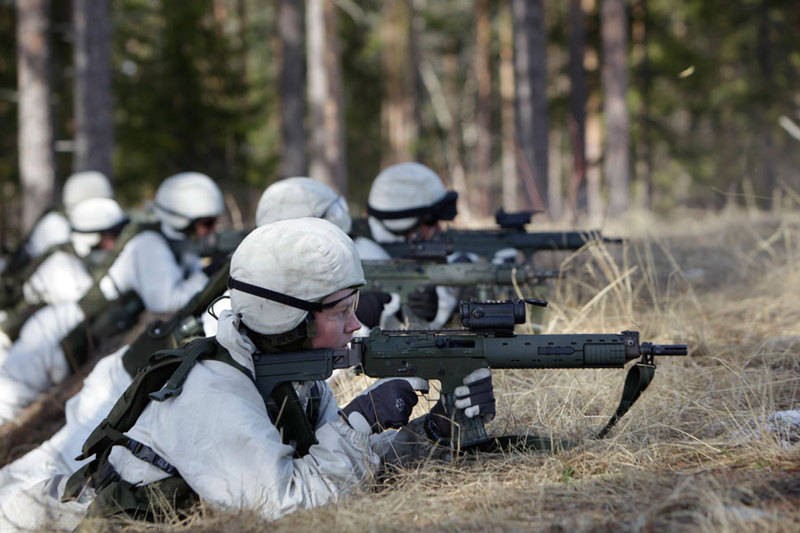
401	189
90	218
185	197
84	185
302	197
305	259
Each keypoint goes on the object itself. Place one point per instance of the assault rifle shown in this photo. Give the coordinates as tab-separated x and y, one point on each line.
488	341
487	242
402	277
510	233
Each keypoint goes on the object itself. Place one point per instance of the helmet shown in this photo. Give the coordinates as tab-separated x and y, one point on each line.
407	194
83	185
184	198
302	197
92	217
298	262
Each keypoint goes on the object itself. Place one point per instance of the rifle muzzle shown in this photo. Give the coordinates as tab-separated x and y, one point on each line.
664	349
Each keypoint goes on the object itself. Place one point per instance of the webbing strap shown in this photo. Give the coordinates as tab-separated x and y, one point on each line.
194	351
149	455
274	296
639	377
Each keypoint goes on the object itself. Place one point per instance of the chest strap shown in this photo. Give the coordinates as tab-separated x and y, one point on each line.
149	455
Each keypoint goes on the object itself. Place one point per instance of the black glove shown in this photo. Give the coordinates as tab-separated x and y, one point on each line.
370	307
424	302
386	404
475	397
212	263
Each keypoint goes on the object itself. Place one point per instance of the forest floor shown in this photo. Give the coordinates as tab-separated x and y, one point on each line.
697	452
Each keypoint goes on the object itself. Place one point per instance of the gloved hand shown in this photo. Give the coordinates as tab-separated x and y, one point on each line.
475	397
506	256
387	403
214	262
370	307
424	302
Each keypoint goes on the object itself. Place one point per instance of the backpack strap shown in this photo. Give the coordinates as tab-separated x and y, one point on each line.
162	379
166	367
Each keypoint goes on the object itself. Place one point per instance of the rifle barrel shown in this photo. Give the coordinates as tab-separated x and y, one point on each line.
664	349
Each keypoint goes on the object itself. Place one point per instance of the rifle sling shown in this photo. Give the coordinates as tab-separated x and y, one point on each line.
295	424
521	443
639	377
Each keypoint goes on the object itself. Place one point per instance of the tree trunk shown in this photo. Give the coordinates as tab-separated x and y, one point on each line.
594	153
555	200
512	188
36	158
765	173
530	53
482	180
576	121
399	107
94	121
616	163
644	158
292	89
455	163
327	151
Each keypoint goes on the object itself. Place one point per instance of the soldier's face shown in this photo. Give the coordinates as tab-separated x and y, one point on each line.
335	326
203	227
424	232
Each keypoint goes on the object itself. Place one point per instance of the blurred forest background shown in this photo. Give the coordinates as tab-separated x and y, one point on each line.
587	109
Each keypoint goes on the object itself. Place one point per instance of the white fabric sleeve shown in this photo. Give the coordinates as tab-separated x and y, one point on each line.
36	362
51	230
148	266
102	387
38	507
62	277
84	411
237	458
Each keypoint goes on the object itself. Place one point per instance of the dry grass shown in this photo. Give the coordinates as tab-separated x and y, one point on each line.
690	456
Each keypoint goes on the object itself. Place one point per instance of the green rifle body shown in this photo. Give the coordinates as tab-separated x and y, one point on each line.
488	242
450	355
402	277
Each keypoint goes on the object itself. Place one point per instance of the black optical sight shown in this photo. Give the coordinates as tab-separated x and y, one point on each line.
496	317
